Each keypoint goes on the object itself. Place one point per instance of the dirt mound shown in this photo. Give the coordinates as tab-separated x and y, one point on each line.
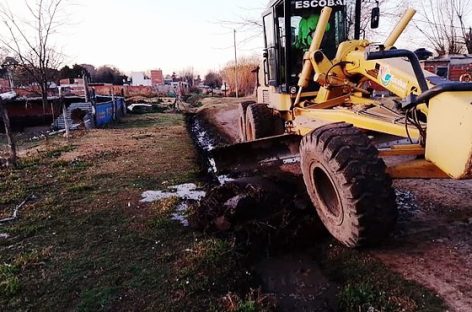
258	212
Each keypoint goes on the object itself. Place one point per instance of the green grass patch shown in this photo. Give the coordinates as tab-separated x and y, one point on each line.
9	281
35	256
210	265
367	285
25	230
10	284
28	163
57	152
97	299
150	120
80	187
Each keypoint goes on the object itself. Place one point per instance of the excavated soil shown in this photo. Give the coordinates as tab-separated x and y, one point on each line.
432	243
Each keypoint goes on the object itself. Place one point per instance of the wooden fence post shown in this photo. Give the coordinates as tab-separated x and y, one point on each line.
12	160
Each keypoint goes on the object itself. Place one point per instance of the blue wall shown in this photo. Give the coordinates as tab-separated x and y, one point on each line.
104	111
104	114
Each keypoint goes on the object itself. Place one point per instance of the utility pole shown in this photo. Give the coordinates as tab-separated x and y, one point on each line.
236	66
357	19
86	89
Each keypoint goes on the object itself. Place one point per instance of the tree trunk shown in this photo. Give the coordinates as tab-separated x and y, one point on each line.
12	160
44	97
66	121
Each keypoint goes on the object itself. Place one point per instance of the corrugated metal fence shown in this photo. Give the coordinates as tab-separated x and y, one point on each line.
99	116
107	112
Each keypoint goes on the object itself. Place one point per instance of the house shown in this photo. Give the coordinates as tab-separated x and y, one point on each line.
157	77
4	85
451	67
139	79
72	87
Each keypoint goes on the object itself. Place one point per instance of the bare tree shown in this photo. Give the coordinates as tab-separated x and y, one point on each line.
246	76
439	24
463	10
365	16
188	75
29	39
213	80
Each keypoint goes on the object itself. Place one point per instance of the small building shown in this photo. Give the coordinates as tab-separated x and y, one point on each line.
4	85
74	86
451	67
157	77
180	87
139	79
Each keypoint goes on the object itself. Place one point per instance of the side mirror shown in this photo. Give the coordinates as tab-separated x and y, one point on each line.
375	18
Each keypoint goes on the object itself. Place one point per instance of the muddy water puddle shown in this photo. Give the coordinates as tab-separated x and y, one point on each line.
206	141
203	138
187	193
180	214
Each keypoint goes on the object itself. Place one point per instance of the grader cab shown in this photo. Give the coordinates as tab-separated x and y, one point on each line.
318	100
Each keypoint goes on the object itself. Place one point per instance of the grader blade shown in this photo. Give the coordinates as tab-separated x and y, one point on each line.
263	153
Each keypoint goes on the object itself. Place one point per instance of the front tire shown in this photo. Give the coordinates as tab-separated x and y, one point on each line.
242	109
262	122
348	184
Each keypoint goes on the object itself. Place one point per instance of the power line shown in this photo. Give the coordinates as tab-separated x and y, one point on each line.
423	21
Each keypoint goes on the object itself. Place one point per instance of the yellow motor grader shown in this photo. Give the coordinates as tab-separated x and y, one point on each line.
356	113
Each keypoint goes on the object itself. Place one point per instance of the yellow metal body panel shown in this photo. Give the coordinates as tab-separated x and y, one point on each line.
402	150
331	103
402	80
280	101
416	169
449	133
360	121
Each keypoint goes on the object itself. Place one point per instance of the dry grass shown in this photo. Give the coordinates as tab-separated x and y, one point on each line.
88	244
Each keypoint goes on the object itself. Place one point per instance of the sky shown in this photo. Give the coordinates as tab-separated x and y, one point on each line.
141	35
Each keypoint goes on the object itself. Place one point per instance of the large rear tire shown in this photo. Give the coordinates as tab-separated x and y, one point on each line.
242	119
262	122
348	184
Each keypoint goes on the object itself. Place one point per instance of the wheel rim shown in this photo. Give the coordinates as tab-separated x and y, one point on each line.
327	194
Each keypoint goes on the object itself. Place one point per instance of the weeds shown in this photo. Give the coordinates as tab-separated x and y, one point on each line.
56	153
369	286
363	296
9	281
210	265
34	257
254	301
80	188
165	206
10	284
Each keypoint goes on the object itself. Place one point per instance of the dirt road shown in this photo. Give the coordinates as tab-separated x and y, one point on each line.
432	243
